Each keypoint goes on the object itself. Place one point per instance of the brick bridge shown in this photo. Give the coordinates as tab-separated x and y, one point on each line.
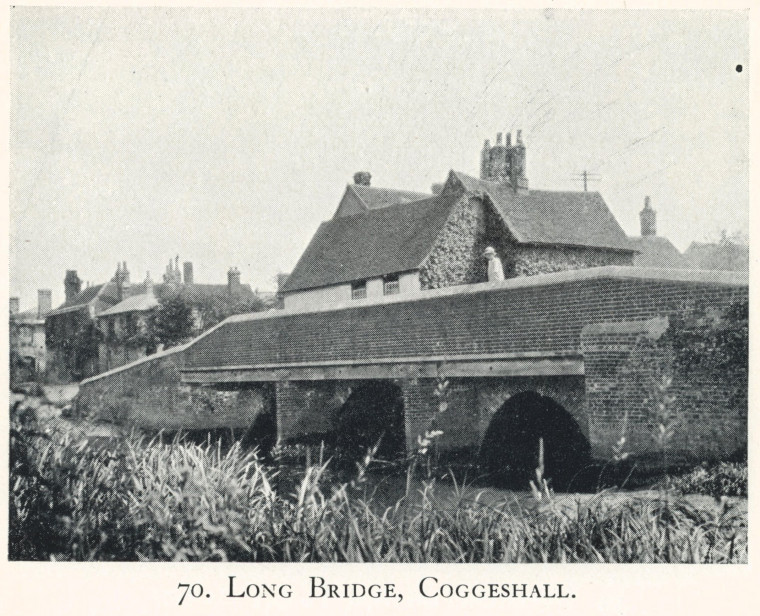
586	340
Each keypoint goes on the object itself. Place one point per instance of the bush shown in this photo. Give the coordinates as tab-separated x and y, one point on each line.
721	479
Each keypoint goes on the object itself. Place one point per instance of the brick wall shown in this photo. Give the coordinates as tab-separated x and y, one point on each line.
634	385
517	316
150	395
420	408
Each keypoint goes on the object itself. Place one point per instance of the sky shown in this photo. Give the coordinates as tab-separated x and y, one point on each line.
225	136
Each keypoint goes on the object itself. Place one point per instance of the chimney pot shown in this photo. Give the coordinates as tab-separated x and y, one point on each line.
518	138
498	138
233	280
72	284
648	218
362	178
44	302
148	284
509	140
187	272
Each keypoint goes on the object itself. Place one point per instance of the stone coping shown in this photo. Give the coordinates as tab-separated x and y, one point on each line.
618	272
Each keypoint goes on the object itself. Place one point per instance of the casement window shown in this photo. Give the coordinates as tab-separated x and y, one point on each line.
359	289
391	285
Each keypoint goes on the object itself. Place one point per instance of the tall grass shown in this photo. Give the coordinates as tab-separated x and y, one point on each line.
147	500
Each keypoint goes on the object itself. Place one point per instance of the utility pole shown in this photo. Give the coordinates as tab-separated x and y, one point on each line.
586	177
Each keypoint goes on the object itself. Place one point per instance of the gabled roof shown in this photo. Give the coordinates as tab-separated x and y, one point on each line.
381	241
549	217
375	198
360	198
28	317
656	251
724	255
103	293
135	303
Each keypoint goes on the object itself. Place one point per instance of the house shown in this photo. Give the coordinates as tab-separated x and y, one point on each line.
70	332
26	335
122	328
394	243
655	250
723	255
99	327
360	197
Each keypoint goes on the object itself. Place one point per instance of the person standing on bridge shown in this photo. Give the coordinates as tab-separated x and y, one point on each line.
495	269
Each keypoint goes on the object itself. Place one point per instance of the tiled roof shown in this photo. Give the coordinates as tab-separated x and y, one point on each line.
103	293
106	294
551	217
656	251
382	241
717	256
30	317
82	298
135	303
200	292
375	198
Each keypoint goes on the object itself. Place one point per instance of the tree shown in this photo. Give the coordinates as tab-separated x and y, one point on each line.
215	308
172	321
177	319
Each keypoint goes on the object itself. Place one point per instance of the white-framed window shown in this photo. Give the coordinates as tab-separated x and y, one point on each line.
391	285
359	289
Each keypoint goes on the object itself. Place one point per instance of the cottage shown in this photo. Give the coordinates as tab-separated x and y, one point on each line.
102	326
655	250
385	242
27	338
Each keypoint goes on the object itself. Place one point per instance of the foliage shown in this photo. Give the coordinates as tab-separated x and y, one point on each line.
178	318
711	340
146	500
172	321
717	480
215	308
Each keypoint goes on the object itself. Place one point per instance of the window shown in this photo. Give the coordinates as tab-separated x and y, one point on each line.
359	289
391	285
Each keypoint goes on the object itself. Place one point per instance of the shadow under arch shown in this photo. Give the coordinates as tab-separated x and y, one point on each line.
509	451
372	413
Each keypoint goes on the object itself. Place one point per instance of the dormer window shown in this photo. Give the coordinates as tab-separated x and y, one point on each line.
359	289
391	285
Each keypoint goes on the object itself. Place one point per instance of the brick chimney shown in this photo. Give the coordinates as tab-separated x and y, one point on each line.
15	305
72	285
148	284
485	154
233	281
648	218
44	302
187	272
504	162
362	178
516	165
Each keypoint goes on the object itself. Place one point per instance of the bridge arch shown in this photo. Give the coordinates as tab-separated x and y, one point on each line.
373	413
509	451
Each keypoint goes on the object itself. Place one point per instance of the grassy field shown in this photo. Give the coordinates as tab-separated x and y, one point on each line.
78	498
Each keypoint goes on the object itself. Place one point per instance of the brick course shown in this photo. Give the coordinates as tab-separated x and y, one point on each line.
516	317
498	320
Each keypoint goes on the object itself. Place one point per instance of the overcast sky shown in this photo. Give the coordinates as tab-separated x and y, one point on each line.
227	136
